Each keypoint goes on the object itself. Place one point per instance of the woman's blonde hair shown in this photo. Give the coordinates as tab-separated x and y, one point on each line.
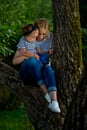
42	23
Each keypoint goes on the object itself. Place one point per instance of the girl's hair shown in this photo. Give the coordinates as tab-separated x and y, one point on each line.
41	23
28	28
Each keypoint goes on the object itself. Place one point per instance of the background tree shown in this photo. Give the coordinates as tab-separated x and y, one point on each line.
83	13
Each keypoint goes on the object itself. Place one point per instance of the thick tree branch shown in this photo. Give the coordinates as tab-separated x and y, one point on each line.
32	97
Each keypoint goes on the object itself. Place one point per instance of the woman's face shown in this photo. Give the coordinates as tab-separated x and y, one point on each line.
43	33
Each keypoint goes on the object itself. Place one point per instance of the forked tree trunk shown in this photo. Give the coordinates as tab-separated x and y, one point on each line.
37	108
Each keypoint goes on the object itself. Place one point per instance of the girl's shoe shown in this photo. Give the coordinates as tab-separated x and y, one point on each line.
54	107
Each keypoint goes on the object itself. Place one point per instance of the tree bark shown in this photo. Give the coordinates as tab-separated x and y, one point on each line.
67	59
76	118
36	106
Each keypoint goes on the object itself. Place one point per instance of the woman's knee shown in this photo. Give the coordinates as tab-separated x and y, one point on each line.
49	70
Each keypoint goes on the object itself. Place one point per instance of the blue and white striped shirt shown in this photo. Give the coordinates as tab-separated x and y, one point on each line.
30	47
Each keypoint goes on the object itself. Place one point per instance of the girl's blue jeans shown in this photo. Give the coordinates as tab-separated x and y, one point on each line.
31	69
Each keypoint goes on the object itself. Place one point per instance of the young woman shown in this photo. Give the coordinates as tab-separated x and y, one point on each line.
44	78
45	37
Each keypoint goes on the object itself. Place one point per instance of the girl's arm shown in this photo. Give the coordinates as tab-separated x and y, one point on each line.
28	54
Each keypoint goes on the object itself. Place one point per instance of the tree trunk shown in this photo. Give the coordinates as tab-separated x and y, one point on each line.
67	59
76	118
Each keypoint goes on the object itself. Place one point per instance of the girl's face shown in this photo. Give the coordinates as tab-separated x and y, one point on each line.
43	33
32	36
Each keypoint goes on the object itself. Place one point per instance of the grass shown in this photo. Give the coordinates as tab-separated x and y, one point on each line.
14	120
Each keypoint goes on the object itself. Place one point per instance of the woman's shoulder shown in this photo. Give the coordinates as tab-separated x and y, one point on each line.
51	34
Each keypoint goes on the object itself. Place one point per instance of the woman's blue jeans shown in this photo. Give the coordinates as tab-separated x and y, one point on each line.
31	68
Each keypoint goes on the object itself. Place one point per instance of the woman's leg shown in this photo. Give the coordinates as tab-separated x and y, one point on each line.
51	85
50	81
32	67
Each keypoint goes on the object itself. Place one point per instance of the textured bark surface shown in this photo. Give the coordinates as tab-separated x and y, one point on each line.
76	118
36	106
67	59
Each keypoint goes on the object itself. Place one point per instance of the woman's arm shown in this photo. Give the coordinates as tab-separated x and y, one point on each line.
39	50
18	59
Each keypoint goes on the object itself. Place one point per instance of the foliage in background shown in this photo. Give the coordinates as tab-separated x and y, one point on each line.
13	15
84	46
8	100
83	20
14	120
83	13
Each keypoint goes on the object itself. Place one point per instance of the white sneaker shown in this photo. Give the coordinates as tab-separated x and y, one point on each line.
47	97
54	106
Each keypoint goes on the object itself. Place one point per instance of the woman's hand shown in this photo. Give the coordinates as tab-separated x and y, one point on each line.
50	51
